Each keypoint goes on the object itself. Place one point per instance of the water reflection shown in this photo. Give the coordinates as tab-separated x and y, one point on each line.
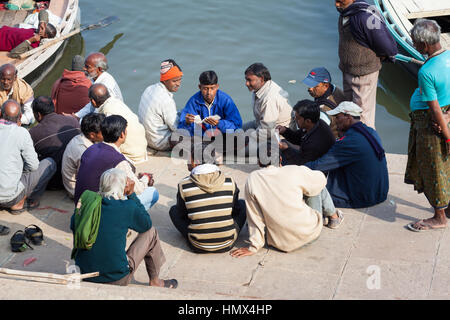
75	45
105	50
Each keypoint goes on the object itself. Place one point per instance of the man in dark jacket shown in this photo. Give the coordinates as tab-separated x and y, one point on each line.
52	134
356	164
364	42
325	93
313	139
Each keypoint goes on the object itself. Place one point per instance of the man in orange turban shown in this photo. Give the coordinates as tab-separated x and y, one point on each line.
157	109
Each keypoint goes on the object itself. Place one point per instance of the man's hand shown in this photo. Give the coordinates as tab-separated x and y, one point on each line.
129	188
281	129
283	145
190	118
436	126
212	121
70	115
241	252
35	38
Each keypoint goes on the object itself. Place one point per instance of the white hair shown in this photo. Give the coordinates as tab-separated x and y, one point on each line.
426	31
102	64
112	184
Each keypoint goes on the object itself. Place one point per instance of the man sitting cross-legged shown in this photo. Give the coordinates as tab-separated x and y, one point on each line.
313	139
23	178
99	246
208	213
106	155
90	133
275	202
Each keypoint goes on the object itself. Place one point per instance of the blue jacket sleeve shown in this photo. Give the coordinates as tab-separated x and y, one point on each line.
140	219
232	118
342	153
189	108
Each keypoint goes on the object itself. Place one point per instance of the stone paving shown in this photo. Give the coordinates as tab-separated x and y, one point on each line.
371	256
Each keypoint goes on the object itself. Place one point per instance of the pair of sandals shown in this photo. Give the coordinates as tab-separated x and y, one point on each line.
20	241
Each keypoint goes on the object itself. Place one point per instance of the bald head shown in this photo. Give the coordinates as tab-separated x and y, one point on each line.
98	94
8	74
11	111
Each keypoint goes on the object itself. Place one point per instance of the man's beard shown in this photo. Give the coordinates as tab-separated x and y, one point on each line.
340	10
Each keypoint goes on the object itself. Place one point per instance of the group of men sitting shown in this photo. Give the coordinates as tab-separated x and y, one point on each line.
88	141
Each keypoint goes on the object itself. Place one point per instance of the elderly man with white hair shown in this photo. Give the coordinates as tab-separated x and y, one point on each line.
95	66
100	225
429	171
356	163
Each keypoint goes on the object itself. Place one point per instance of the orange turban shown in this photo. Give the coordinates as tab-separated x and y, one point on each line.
169	71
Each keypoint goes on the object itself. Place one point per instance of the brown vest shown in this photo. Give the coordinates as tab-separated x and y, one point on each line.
355	59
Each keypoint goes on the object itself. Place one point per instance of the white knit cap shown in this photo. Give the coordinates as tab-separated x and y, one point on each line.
346	107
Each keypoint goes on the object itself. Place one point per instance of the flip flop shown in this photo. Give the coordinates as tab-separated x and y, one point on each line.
427	226
34	234
18	242
172	283
31	207
4	230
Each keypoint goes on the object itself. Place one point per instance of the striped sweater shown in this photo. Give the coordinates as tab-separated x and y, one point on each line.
209	202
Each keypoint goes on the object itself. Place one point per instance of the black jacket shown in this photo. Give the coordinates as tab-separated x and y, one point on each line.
311	145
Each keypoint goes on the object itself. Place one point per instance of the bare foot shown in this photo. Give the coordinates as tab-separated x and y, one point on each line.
428	224
19	205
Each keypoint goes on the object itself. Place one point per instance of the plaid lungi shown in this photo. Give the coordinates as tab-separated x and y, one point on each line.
428	167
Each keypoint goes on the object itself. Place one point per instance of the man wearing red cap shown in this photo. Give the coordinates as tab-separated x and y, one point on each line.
157	108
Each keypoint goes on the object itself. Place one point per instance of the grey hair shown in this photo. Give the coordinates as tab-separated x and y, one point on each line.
426	31
102	64
112	184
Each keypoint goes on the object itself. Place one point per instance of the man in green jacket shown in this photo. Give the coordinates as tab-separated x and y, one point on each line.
120	210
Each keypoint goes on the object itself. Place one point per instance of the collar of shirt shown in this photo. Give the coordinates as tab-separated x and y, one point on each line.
6	122
113	145
10	92
263	90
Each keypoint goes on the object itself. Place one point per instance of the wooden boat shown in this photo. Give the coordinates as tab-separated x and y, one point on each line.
400	16
34	68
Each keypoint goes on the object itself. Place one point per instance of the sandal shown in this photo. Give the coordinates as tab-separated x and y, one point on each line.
172	283
17	212
335	223
4	230
34	233
33	206
423	226
18	242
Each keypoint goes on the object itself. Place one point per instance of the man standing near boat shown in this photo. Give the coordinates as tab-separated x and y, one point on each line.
428	167
95	66
364	42
12	87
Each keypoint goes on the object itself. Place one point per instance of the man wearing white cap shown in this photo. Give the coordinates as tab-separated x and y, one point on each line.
356	163
157	108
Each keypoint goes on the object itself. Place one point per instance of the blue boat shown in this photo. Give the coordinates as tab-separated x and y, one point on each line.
400	16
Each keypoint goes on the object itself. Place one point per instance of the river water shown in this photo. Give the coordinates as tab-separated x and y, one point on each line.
289	37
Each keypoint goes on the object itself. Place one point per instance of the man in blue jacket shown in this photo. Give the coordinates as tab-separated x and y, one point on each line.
356	163
210	111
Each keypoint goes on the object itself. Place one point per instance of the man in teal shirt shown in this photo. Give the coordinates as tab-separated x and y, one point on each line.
428	167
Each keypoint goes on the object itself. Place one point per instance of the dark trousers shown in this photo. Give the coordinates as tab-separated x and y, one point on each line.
181	221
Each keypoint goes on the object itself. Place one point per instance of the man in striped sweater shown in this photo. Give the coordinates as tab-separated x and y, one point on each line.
208	213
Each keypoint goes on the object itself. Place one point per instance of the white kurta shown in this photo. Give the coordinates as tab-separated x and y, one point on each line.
274	199
113	88
71	161
135	145
158	113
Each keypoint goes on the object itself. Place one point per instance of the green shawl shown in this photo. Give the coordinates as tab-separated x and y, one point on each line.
87	221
